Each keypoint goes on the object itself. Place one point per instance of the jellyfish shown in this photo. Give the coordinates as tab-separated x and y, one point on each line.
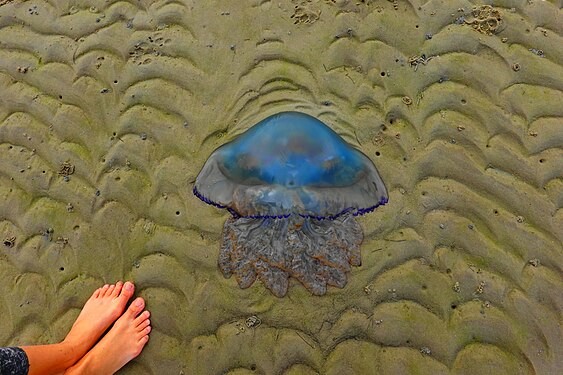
294	188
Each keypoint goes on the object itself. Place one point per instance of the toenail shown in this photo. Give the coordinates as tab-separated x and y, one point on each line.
139	302
128	286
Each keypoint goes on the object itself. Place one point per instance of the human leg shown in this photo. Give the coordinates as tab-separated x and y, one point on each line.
104	306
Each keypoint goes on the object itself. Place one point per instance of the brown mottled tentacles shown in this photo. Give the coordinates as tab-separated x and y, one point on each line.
315	252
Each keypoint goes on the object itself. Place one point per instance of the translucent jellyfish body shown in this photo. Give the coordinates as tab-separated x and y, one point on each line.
294	188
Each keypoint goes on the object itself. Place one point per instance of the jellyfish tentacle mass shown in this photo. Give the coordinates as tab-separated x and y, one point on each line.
293	187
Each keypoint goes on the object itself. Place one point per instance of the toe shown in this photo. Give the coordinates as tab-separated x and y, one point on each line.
110	290
96	293
143	324
104	290
144	332
135	308
127	291
141	318
117	289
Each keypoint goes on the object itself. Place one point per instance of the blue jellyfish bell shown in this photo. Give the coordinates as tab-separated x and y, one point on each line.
293	187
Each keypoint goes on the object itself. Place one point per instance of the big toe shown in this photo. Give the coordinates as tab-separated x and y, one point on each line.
135	308
127	291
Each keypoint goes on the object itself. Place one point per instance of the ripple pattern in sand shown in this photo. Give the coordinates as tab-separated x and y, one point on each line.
109	109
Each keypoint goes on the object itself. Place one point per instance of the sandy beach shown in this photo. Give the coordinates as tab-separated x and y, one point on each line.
109	109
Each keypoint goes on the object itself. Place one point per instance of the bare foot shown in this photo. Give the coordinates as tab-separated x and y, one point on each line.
121	344
100	311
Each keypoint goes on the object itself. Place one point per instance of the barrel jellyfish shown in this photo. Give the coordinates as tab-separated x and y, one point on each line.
293	188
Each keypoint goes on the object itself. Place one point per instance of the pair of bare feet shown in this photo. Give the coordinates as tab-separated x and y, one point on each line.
82	351
125	339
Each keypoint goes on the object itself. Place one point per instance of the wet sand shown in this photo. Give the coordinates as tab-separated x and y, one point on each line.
108	110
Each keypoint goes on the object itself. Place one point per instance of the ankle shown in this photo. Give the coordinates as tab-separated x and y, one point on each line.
75	350
85	366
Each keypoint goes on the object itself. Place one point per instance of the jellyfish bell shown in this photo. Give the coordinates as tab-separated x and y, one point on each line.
293	187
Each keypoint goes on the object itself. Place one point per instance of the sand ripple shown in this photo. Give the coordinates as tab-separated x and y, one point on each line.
462	270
